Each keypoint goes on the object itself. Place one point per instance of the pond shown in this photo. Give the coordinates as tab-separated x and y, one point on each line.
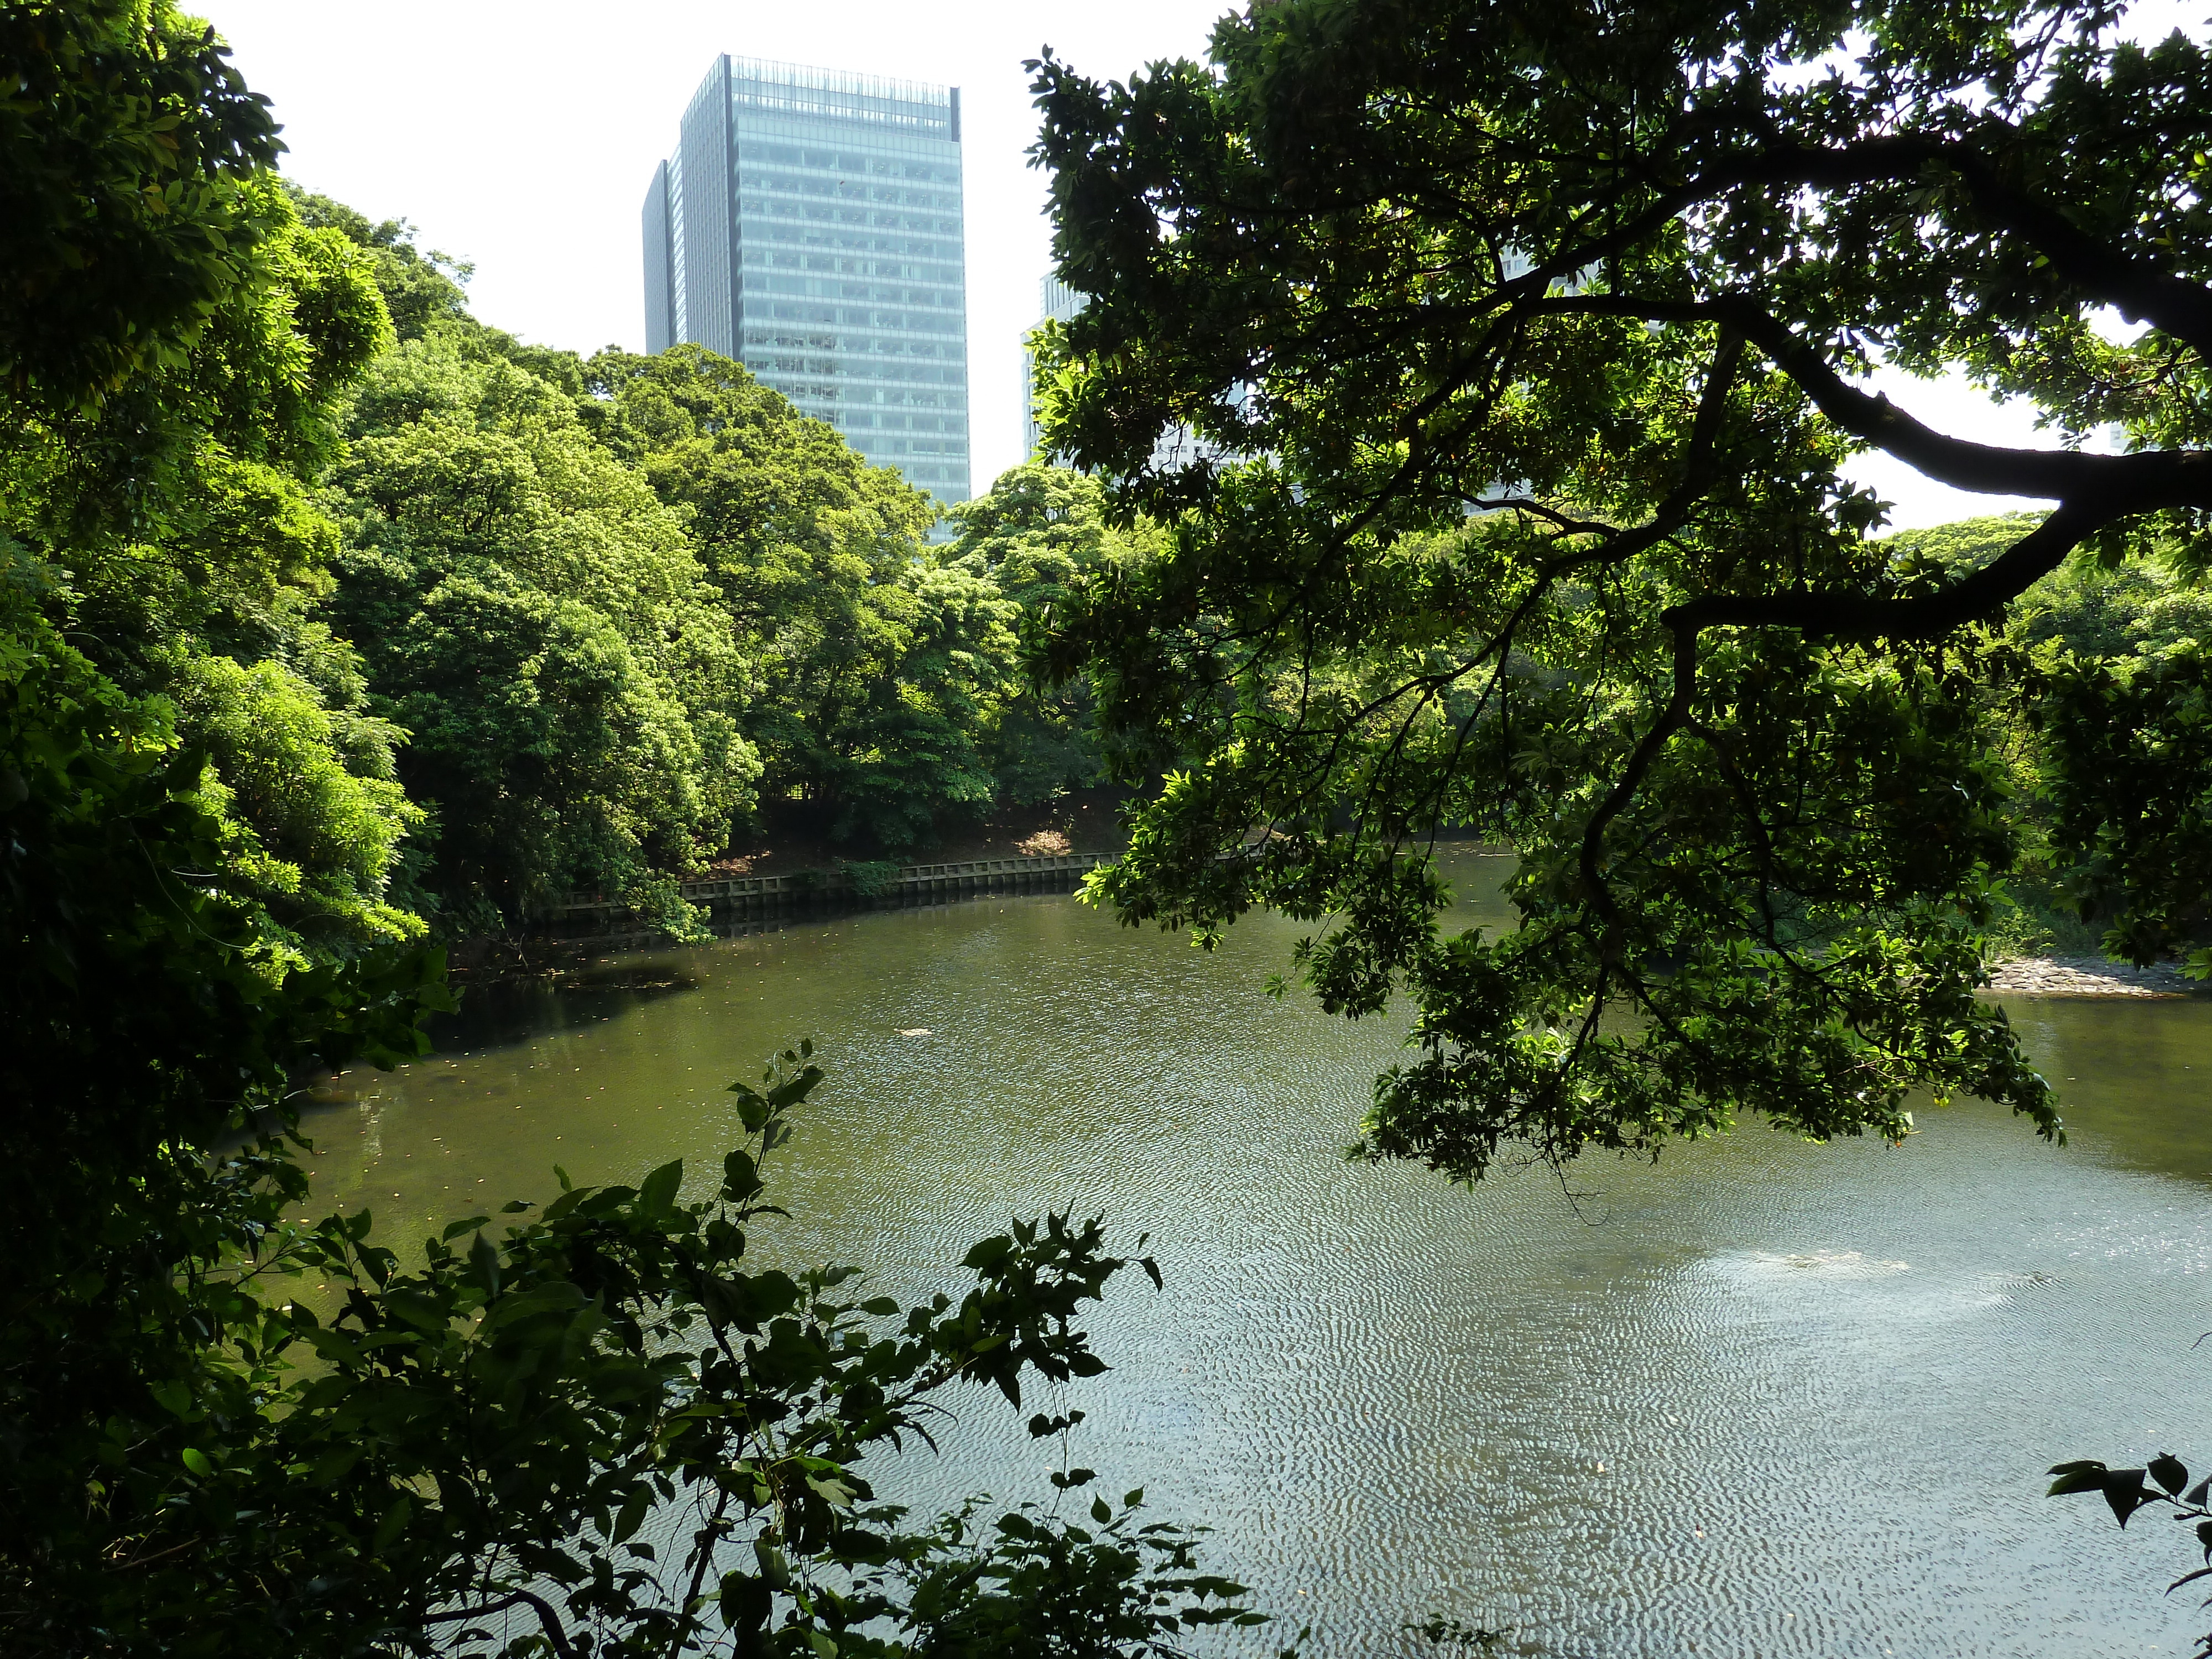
1763	1398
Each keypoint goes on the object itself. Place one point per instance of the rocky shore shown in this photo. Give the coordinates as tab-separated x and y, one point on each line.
2089	977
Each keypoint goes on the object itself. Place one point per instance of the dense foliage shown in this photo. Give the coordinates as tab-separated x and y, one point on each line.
2095	644
1040	535
168	522
1528	343
882	666
487	622
128	136
307	623
1526	340
618	602
535	619
460	624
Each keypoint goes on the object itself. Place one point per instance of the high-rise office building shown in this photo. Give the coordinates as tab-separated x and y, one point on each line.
809	226
1056	303
1177	447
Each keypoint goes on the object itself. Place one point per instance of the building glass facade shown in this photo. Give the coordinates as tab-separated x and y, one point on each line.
1056	303
809	226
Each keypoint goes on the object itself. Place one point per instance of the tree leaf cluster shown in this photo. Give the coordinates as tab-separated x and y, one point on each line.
536	620
462	623
165	520
890	685
600	1429
2097	701
1526	348
2162	1484
602	1420
618	602
129	135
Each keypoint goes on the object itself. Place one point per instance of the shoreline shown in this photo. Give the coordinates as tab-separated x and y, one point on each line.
805	892
2089	977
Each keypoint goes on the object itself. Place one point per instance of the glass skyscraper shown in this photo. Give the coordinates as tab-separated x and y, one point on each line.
1177	447
808	225
1057	303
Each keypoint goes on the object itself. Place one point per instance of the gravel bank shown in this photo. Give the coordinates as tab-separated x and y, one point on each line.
2089	977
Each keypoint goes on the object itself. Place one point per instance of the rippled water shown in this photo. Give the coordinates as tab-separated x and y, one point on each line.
1764	1398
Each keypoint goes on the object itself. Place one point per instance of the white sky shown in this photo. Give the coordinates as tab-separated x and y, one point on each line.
521	137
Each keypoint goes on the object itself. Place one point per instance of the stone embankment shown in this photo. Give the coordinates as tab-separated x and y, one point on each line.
2089	977
732	896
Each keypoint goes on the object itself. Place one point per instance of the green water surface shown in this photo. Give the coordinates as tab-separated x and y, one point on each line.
1766	1398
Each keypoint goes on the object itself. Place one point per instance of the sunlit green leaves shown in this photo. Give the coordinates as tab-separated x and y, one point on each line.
1524	340
123	138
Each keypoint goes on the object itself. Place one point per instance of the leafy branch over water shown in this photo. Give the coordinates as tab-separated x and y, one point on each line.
601	1430
2163	1483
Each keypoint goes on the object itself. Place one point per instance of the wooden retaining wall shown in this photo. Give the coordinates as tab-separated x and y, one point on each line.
735	897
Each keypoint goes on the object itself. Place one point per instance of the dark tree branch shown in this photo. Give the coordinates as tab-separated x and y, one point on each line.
2121	484
2140	292
1672	719
1697	462
1858	616
556	1633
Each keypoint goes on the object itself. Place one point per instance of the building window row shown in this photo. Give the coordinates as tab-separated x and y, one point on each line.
748	96
839	386
836	262
762	207
899	354
832	387
831	287
846	190
949	449
858	244
869	420
875	321
850	345
878	374
823	161
857	362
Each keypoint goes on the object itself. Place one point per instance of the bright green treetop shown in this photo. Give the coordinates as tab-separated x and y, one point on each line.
537	621
123	226
1040	534
881	669
165	516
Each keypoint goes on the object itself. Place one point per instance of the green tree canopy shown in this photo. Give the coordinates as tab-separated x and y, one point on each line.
537	620
128	135
420	287
1040	534
165	516
191	1460
1530	337
882	670
171	345
178	500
